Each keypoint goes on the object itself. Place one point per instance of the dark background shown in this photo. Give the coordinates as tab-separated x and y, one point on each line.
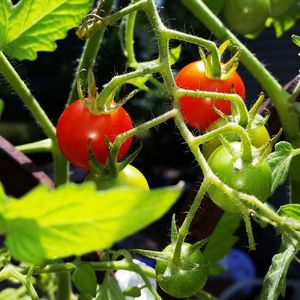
164	159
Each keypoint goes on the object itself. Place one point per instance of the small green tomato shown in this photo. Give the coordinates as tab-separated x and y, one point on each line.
251	178
186	279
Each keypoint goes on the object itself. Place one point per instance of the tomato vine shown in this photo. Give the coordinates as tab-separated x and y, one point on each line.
240	156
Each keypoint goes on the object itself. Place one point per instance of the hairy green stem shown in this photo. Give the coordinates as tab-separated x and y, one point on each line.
63	286
234	98
210	46
129	40
24	93
184	229
61	166
89	54
98	266
121	138
113	18
11	272
229	127
35	147
117	81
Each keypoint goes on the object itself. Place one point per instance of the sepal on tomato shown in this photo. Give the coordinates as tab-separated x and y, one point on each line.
223	71
112	167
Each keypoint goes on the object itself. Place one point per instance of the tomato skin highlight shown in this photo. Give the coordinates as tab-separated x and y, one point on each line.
198	112
250	179
128	177
258	135
77	125
183	282
246	16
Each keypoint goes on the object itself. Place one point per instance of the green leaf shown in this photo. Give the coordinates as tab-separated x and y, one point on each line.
296	40
85	280
140	82
218	246
174	54
31	26
274	282
174	230
215	5
279	162
285	22
76	219
291	212
109	290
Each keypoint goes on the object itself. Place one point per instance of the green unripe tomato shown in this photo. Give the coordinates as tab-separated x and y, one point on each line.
246	16
184	280
280	7
244	177
258	135
129	177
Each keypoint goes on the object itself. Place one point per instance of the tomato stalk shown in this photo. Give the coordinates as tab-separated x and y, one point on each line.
139	129
65	268
89	54
235	99
104	99
113	18
230	127
129	40
184	229
9	272
36	147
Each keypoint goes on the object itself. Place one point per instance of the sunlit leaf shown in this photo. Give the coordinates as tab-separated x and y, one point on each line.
31	26
76	219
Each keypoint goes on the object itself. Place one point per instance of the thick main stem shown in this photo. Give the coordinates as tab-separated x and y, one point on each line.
24	93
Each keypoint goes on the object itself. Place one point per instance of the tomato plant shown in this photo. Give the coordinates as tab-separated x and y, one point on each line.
128	177
70	219
258	134
279	7
246	16
253	178
188	277
77	126
199	112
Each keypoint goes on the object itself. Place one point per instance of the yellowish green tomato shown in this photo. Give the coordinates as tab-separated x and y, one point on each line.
258	135
128	177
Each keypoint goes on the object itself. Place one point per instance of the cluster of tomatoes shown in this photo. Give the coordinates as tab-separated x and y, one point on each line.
79	126
249	16
252	177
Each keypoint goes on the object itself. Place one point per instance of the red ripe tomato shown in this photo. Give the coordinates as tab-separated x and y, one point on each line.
199	112
77	125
